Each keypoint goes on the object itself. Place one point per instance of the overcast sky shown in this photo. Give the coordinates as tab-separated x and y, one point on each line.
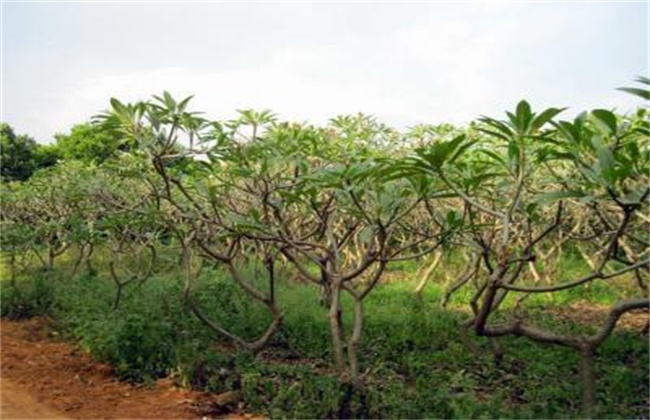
406	63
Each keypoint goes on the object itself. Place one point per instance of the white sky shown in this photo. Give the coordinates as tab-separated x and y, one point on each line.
406	63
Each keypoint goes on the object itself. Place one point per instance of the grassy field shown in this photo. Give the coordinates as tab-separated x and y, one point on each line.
414	360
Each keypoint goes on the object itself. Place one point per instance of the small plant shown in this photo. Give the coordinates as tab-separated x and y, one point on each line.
27	298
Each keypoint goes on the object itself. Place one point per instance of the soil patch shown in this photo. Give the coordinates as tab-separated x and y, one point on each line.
46	378
592	314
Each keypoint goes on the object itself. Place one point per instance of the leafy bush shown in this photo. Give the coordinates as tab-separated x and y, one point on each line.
27	299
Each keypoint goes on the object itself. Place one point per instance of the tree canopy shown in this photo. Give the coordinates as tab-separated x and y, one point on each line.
88	143
22	155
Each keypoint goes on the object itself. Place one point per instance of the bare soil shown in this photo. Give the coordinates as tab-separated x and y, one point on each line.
16	403
42	378
586	313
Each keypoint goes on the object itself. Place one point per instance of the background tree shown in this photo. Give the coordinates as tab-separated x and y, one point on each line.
88	143
21	156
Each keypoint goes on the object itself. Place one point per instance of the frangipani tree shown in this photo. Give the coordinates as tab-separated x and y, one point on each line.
522	184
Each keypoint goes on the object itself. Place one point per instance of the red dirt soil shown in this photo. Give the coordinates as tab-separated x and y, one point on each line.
45	378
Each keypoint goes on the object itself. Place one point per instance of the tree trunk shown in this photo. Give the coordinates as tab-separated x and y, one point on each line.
588	379
118	296
50	258
258	345
336	329
89	264
419	290
79	260
355	338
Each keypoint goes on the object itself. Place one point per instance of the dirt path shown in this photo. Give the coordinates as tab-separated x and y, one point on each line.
44	378
16	403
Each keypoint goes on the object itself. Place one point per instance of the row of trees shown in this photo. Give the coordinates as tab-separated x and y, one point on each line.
339	204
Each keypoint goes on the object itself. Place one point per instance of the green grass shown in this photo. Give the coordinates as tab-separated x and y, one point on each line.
415	362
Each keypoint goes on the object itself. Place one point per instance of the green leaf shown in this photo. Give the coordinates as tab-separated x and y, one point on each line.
545	117
494	134
452	218
366	234
531	208
169	101
524	116
643	79
641	93
479	180
513	152
435	156
498	125
493	155
605	158
182	104
513	119
606	119
117	105
460	150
